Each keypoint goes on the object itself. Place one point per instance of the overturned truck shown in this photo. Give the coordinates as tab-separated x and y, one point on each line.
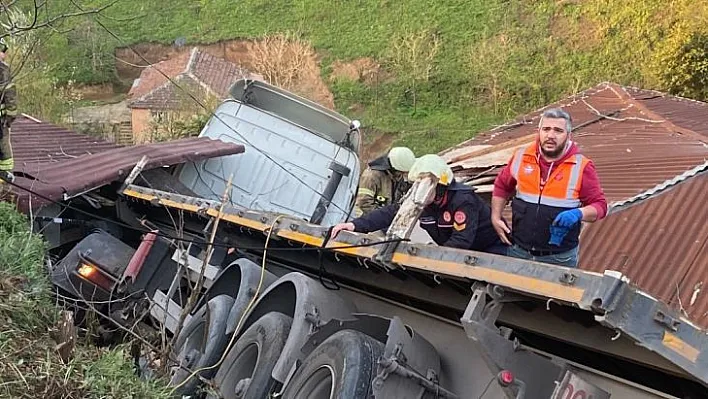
280	309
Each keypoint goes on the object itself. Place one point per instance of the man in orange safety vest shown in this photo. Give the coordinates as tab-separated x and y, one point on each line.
555	188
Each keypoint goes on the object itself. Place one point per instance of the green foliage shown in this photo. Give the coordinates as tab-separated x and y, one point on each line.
447	66
682	65
108	374
174	126
89	54
29	364
21	251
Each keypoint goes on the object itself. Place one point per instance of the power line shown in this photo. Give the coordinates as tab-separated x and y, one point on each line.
211	113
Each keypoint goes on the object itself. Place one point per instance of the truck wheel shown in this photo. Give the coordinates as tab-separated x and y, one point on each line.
340	367
201	343
246	371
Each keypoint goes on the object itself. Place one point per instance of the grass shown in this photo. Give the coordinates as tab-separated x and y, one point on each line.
496	60
29	364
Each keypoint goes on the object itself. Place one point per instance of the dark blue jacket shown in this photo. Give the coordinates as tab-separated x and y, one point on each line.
463	220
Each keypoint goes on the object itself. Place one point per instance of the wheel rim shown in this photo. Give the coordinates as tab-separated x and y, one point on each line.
319	385
240	369
190	353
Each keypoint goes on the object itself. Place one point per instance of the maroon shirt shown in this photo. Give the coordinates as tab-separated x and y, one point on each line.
590	190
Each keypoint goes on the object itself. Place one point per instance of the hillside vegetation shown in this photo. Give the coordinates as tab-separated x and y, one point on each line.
447	69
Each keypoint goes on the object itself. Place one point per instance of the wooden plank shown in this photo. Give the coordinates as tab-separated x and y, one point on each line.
411	207
194	266
166	311
498	158
452	154
528	139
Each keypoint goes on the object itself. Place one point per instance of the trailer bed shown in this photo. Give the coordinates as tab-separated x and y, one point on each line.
610	298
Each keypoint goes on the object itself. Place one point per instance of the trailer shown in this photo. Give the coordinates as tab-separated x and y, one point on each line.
232	257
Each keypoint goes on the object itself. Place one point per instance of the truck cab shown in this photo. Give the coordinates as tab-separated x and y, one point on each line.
301	158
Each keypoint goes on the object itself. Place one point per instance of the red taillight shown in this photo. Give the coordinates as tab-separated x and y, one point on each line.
95	275
506	378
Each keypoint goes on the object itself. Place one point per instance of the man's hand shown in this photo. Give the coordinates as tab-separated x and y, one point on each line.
349	226
568	218
502	229
498	222
562	224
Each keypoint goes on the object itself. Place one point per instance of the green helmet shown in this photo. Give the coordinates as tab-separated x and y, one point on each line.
433	164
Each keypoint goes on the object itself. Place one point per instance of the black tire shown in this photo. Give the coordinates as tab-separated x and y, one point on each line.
341	367
253	357
192	349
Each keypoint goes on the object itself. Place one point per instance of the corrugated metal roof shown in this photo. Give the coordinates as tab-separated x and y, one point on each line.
686	113
54	161
650	157
78	175
35	141
661	244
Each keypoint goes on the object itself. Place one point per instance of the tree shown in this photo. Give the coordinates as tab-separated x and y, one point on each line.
29	27
682	65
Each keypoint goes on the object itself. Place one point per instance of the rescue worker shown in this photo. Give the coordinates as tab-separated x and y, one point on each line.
454	217
383	182
555	189
8	112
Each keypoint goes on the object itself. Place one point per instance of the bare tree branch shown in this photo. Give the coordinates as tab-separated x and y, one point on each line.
14	29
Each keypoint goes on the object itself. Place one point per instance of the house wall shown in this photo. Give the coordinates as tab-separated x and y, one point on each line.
140	119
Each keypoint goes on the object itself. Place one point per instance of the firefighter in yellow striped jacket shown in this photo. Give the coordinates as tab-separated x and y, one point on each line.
384	180
8	112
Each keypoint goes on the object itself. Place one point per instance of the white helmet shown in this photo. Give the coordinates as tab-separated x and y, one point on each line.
433	164
401	158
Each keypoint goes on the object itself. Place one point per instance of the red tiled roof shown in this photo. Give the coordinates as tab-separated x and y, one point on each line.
657	237
169	96
195	71
151	78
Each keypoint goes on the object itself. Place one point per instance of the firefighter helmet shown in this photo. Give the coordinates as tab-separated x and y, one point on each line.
433	164
401	158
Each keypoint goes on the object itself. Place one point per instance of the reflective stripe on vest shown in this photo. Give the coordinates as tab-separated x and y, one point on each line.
561	189
366	191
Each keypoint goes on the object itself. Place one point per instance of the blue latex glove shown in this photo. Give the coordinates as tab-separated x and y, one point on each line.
568	218
558	234
562	224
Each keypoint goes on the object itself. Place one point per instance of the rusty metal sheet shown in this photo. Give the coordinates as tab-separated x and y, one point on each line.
78	175
660	244
684	112
34	141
